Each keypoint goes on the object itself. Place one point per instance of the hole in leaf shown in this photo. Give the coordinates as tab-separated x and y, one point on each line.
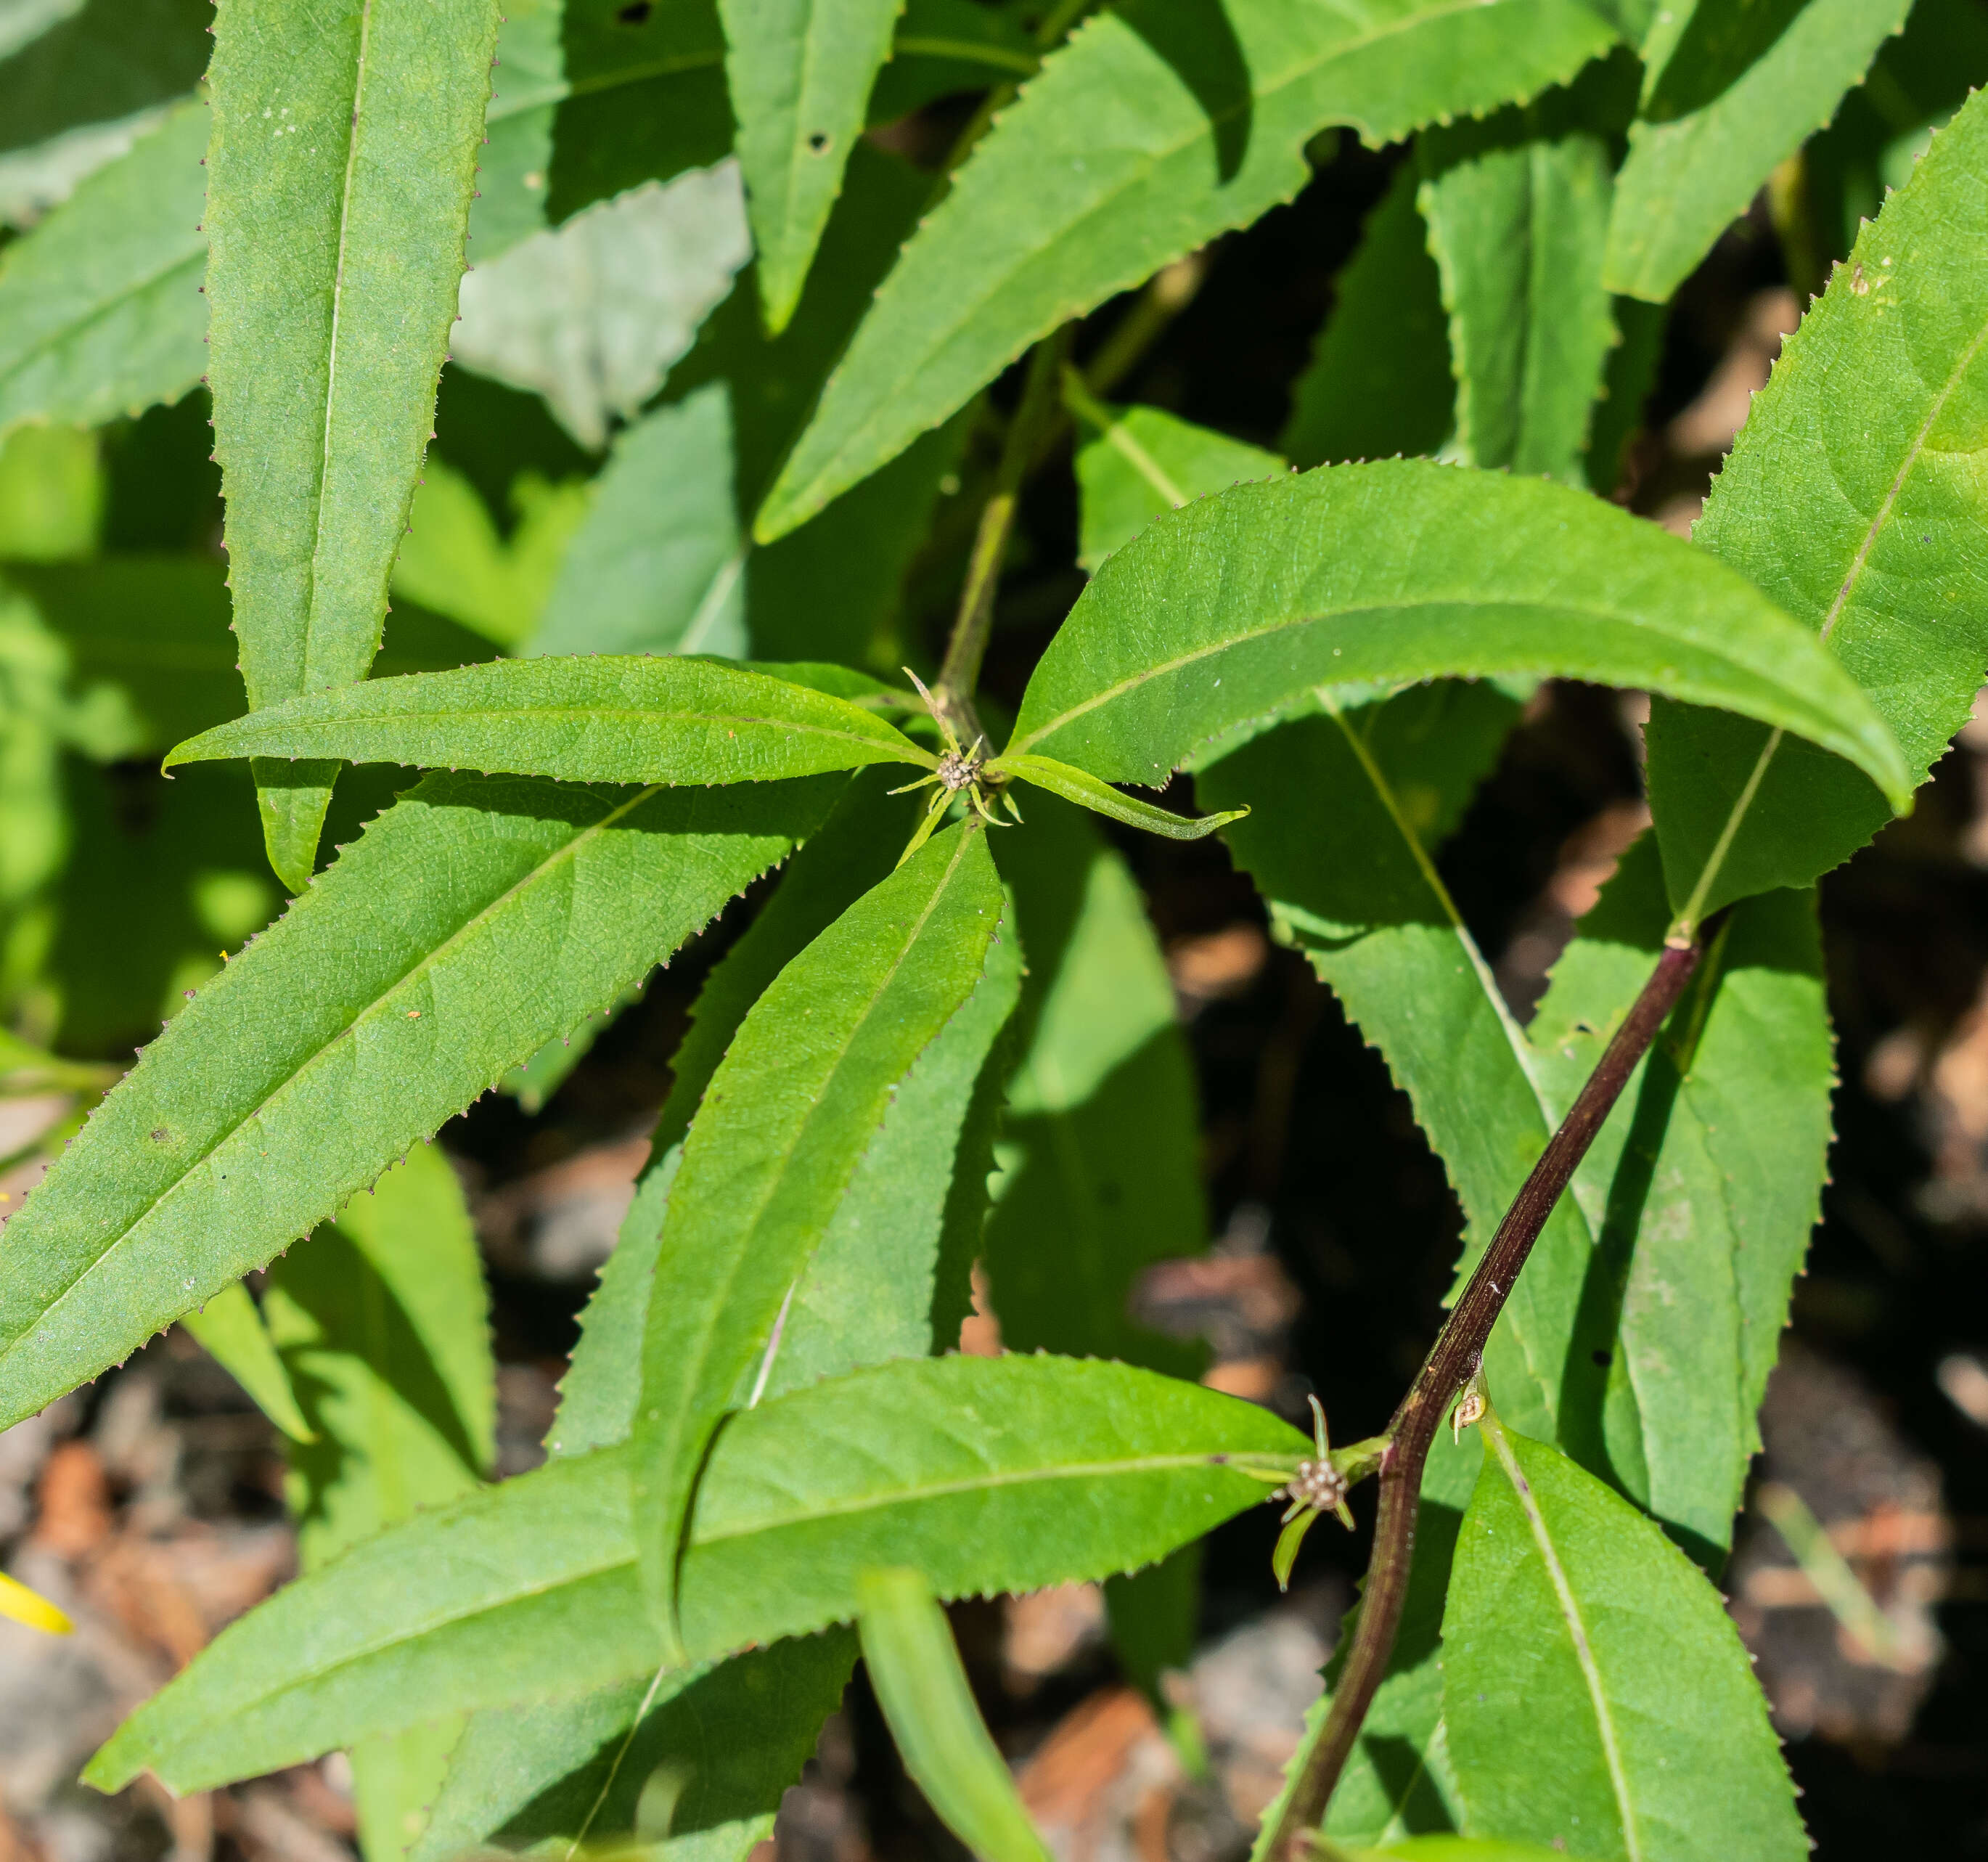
1604	1358
818	142
635	13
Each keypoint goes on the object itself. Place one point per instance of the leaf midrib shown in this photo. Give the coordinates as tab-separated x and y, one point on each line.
331	381
626	1558
553	714
782	1161
1589	611
568	851
1576	1627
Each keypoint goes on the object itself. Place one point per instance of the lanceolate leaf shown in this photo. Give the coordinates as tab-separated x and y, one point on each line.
914	1667
869	1294
1850	498
595	718
571	1772
231	1331
1597	1694
1098	1148
1640	1332
985	1474
1729	90
339	181
1078	786
1222	614
100	308
782	1126
1379	382
1149	133
1142	462
801	73
658	565
1701	1195
385	1000
1517	209
889	1273
383	1322
856	848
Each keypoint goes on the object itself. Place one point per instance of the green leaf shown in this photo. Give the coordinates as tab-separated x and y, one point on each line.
1596	1693
230	1331
801	73
1078	786
856	848
878	1286
100	308
1517	211
380	1004
161	877
383	1326
1378	382
591	316
781	1129
383	1323
623	719
1443	1848
394	1779
832	588
1150	131
869	1294
148	642
1641	1331
571	1772
944	47
35	720
338	178
1098	1147
1912	89
987	1473
657	567
97	66
1143	462
1220	615
454	562
921	1684
1850	498
642	98
1729	90
151	655
1713	1179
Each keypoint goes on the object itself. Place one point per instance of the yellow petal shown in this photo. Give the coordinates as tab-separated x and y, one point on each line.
31	1607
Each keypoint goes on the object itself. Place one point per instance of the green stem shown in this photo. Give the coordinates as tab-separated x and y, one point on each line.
960	674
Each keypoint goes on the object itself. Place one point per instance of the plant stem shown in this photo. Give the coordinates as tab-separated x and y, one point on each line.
1453	1360
960	672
